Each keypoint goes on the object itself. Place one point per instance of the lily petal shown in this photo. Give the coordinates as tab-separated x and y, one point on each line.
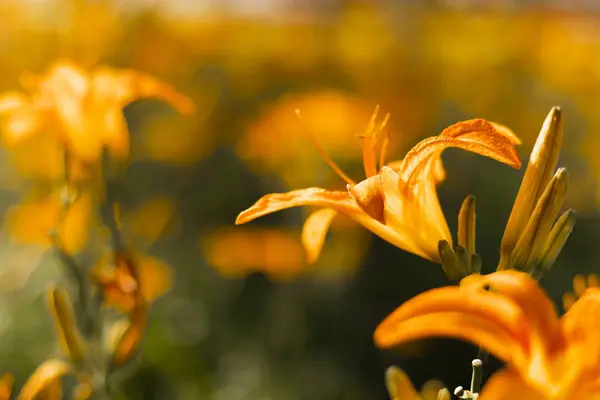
580	329
399	385
524	291
115	133
127	86
314	232
270	203
21	119
369	196
507	384
476	330
477	136
507	132
155	277
501	324
45	375
132	336
150	220
74	229
416	218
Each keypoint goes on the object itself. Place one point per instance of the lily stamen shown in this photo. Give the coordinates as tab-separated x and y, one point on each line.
322	152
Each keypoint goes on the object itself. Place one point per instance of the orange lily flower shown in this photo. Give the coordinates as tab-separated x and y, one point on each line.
83	109
398	201
547	358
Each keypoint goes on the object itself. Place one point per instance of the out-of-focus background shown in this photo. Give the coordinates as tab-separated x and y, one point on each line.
247	317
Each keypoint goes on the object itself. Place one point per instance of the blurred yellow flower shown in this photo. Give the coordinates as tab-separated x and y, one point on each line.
130	281
397	201
41	214
400	387
82	109
274	141
275	252
44	383
547	358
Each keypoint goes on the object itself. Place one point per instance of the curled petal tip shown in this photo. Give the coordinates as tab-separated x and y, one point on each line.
240	220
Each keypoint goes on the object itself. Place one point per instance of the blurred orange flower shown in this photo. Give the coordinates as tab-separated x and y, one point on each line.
547	358
82	109
276	252
397	201
131	280
580	285
44	213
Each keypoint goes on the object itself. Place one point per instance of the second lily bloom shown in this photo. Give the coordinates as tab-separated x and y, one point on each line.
397	201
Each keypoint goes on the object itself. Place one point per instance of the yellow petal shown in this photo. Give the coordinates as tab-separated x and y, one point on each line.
11	101
399	385
132	337
83	143
74	229
580	326
68	332
21	119
33	221
45	375
431	390
477	136
540	169
114	131
126	86
507	384
414	214
150	220
155	277
340	201
368	195
66	86
507	132
39	157
314	232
